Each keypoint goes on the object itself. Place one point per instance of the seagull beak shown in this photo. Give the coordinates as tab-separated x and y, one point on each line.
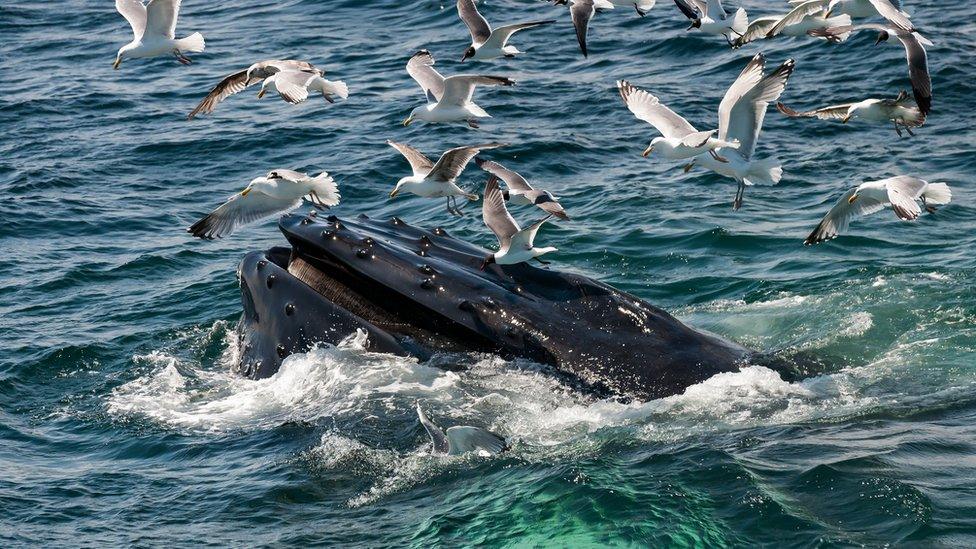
827	13
245	191
852	199
846	119
261	93
118	61
408	120
647	151
394	192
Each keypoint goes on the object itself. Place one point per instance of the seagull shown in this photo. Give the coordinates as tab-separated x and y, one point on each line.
900	193
582	11
710	17
239	81
681	139
154	30
918	63
897	110
461	439
805	17
276	193
293	86
809	25
515	245
740	118
520	192
448	99
485	42
889	9
431	180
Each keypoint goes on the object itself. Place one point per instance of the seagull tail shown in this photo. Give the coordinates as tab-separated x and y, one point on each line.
191	44
336	88
937	193
765	172
326	189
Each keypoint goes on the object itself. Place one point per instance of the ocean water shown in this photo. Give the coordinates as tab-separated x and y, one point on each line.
120	422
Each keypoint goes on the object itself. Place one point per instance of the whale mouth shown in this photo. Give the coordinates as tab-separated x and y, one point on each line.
417	292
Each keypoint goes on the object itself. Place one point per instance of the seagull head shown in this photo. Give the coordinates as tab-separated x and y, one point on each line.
650	147
264	85
882	37
696	24
853	198
123	51
467	53
417	113
399	185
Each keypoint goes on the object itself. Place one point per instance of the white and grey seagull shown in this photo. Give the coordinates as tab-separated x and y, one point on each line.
900	193
488	43
276	193
515	245
461	439
710	17
581	11
889	9
241	80
805	19
448	99
680	139
154	31
432	180
899	110
293	86
519	190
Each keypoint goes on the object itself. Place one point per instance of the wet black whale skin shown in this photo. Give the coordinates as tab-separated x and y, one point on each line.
416	291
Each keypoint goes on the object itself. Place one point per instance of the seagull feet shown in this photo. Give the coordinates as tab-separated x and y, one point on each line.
182	58
473	124
688	167
541	261
716	156
737	202
898	130
328	98
640	12
910	132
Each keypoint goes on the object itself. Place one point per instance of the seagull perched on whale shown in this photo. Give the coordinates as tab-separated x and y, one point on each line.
241	80
448	99
276	193
680	139
515	244
520	192
154	29
898	110
431	180
488	43
900	193
461	439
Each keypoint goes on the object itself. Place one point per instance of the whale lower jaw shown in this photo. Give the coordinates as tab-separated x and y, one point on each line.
416	292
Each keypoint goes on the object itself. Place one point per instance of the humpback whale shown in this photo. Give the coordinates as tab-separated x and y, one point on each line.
416	292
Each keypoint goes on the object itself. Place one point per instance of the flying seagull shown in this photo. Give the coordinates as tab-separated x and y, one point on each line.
520	192
805	17
900	193
681	140
515	245
239	81
710	17
276	193
918	63
898	110
293	86
889	9
154	30
431	180
740	118
448	99
461	439
582	11
488	43
814	25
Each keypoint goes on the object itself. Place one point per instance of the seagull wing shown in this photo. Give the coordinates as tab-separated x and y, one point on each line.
227	87
459	89
499	37
476	23
743	108
135	13
582	11
893	14
547	202
240	210
797	14
437	436
419	162
452	162
421	68
161	18
496	215
526	237
918	70
648	108
464	438
715	10
903	191
839	217
293	85
833	112
758	28
512	179
687	9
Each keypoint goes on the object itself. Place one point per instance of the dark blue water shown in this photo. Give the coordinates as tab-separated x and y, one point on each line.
121	424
